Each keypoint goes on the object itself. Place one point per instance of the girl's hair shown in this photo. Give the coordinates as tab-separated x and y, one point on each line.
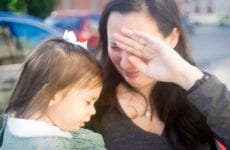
54	65
185	126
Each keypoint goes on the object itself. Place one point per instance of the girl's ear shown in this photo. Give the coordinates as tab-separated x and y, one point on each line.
55	99
47	96
173	38
52	102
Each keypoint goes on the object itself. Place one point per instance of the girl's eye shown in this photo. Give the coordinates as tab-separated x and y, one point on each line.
88	102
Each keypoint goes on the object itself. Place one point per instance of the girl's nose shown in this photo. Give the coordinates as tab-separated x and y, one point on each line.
92	110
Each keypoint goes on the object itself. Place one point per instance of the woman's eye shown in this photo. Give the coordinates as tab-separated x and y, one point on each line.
115	47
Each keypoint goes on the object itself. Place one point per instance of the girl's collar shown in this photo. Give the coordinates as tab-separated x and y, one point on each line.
34	128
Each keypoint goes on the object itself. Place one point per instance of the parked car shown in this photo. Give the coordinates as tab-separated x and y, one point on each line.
225	20
204	19
83	23
18	36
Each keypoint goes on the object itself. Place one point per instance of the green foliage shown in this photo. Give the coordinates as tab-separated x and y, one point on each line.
17	6
38	8
4	5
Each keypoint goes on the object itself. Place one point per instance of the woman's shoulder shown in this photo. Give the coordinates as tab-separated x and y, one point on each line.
87	139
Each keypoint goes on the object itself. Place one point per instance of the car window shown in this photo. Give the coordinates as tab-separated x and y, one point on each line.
28	36
92	23
67	22
17	40
94	17
10	53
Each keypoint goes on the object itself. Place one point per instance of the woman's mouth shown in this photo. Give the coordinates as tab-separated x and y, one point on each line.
132	74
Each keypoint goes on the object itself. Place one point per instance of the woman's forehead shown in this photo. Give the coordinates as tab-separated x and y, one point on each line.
134	20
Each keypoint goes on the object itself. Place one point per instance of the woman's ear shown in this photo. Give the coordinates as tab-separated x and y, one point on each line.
173	38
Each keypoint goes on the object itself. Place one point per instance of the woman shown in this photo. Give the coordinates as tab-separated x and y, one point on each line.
149	74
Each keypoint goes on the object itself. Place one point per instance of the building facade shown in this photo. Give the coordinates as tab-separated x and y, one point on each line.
220	7
91	5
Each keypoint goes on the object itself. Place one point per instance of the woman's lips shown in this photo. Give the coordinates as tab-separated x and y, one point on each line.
131	74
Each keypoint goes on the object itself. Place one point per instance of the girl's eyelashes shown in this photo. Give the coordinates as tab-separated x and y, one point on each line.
113	45
88	102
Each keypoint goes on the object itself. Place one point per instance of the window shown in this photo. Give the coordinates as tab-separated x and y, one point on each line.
17	40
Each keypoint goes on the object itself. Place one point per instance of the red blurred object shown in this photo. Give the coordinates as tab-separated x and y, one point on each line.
220	145
83	23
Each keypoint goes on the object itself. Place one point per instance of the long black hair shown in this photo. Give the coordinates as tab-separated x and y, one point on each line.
185	126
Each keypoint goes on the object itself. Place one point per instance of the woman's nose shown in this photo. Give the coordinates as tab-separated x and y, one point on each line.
124	62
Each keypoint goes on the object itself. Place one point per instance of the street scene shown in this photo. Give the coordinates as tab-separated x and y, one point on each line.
207	23
210	49
114	74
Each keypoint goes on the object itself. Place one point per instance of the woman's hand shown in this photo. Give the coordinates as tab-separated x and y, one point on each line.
155	58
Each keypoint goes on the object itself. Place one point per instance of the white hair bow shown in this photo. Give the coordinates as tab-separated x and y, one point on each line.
69	36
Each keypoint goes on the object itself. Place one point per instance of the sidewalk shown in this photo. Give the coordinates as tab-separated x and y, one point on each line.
222	70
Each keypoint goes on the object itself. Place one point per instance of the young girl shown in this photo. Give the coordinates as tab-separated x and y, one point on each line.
53	98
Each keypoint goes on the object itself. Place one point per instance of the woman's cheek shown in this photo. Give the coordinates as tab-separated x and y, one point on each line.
115	56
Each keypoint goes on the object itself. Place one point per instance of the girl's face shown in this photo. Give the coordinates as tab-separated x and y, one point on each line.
140	21
71	110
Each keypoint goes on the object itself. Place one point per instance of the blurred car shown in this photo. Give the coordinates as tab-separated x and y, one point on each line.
225	20
18	36
83	23
204	19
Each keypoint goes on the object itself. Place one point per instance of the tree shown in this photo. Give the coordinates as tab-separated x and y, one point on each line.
4	5
38	8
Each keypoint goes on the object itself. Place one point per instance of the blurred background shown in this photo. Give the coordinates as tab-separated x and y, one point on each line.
25	23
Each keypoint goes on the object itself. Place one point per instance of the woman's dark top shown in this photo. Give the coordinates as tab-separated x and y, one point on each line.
213	100
120	133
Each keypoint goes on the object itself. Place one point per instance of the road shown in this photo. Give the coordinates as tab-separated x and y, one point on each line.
210	47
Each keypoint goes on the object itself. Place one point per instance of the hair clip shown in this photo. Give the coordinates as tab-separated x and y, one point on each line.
70	37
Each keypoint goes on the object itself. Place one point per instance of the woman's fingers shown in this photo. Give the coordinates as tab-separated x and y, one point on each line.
140	65
129	49
148	38
138	43
129	33
155	42
129	42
